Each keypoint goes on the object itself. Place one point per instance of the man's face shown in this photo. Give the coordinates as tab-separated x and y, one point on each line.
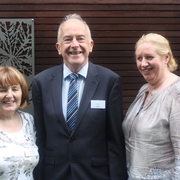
74	44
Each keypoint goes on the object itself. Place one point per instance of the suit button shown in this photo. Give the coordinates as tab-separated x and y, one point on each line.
72	139
73	160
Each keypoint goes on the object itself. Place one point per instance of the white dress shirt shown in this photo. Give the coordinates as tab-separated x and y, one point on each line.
65	85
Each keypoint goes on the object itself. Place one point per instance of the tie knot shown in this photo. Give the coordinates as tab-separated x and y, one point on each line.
73	76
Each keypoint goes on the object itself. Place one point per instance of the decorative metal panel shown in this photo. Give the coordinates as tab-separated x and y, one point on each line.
17	48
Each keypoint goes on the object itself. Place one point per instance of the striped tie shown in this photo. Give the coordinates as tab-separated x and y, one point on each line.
72	104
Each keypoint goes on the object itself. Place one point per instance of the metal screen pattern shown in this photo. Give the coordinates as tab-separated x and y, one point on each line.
17	48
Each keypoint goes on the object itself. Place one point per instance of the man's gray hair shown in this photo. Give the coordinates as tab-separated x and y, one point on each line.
72	16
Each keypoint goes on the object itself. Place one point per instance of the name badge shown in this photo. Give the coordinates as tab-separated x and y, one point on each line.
98	104
31	152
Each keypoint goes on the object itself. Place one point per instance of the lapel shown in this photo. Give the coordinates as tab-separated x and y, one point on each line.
56	93
90	87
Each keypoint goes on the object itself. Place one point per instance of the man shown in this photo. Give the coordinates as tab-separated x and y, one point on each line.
89	143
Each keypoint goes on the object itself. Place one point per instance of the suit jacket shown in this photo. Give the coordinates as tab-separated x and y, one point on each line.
95	149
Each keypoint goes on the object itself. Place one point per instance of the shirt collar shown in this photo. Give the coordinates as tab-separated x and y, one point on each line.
82	72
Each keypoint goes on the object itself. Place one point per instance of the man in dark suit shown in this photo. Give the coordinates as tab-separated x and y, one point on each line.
88	145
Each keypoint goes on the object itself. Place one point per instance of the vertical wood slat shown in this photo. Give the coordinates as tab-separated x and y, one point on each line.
115	29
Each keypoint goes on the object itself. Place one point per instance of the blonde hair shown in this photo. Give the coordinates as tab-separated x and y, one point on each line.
162	47
10	76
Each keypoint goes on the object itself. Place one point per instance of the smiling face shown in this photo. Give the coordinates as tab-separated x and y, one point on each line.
10	99
151	65
74	44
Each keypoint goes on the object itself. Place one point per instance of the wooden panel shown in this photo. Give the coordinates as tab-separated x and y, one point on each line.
116	25
93	1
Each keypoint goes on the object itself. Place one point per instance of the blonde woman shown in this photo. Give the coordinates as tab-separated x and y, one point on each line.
152	123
